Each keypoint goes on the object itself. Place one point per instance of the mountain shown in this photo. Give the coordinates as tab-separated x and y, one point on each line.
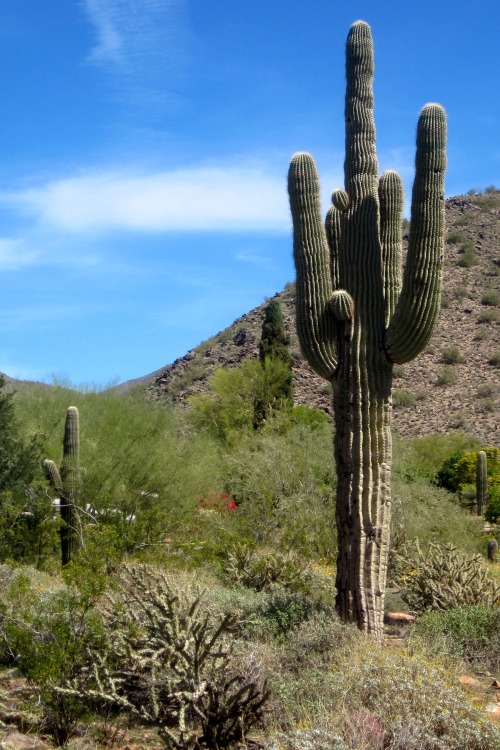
452	385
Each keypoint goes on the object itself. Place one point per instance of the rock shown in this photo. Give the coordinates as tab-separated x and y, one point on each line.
399	617
14	740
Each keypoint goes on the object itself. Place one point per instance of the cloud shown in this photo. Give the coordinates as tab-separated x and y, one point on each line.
110	43
14	255
184	200
142	43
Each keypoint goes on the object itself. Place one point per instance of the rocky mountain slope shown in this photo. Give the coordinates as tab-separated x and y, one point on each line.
453	385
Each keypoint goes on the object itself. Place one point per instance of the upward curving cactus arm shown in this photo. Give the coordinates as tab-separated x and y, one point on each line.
391	198
315	327
411	326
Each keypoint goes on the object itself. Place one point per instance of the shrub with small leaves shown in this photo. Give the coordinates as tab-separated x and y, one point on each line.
447	376
494	360
473	633
491	298
452	355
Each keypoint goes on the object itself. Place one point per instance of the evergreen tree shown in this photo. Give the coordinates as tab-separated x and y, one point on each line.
273	345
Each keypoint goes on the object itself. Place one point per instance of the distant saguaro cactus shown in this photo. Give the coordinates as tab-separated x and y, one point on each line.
357	316
492	549
481	482
67	482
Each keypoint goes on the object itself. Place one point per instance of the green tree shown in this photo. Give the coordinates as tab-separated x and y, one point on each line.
273	345
19	456
235	395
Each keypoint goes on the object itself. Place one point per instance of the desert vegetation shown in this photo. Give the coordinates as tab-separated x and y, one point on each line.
198	607
189	576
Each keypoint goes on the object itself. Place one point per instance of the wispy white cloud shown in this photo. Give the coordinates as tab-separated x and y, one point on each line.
254	258
142	43
197	199
14	255
110	43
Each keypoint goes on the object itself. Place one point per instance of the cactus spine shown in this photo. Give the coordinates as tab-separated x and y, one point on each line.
357	316
67	482
481	483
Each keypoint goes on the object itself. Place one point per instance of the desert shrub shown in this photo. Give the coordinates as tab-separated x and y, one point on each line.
46	633
284	610
444	578
489	316
492	512
447	376
257	570
494	360
459	470
473	633
481	334
271	474
460	292
490	298
486	389
235	393
335	679
468	257
455	237
141	476
402	398
451	355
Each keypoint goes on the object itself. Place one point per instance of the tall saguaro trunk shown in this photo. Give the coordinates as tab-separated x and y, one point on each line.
356	317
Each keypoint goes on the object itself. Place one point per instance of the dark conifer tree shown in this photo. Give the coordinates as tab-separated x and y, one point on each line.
274	353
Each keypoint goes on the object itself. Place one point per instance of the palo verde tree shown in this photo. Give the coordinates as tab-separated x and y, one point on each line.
357	316
273	350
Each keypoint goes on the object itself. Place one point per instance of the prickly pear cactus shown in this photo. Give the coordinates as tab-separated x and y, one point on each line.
357	314
67	482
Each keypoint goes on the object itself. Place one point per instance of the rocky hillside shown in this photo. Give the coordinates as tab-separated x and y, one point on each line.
454	383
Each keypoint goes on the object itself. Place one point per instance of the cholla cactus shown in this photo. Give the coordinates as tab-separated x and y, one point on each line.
67	482
357	315
445	578
481	483
171	665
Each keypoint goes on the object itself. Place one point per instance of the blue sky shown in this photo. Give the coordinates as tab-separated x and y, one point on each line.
144	150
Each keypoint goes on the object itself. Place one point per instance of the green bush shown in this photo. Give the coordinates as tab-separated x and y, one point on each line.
447	376
472	633
468	257
495	359
491	298
492	512
459	470
47	634
455	237
402	398
452	355
489	316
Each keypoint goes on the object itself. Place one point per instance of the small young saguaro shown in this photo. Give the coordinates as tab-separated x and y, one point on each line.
67	482
358	315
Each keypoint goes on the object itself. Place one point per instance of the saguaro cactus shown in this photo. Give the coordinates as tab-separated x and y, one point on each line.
67	482
357	316
481	482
